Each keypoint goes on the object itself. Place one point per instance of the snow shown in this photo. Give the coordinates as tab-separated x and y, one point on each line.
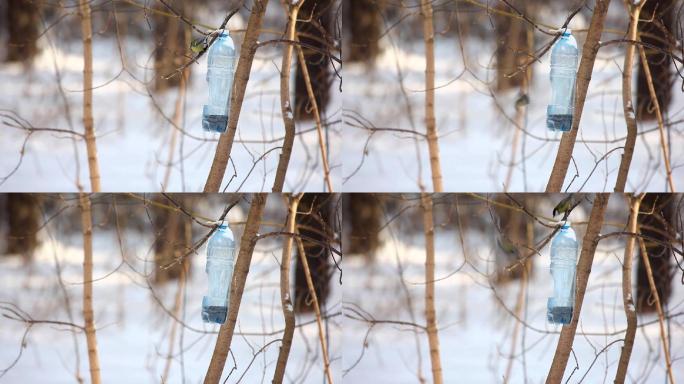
475	139
132	328
475	331
133	137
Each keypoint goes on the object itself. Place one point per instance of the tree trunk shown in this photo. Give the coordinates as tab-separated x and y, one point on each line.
365	26
627	295
170	243
656	26
88	125
314	224
430	315
23	216
656	220
364	211
584	72
586	259
511	239
237	287
23	20
285	296
314	28
172	40
249	46
430	122
512	47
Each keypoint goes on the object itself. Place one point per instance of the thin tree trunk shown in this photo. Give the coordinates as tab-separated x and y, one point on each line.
247	244
317	117
656	106
317	309
627	296
659	309
363	212
285	297
586	67
88	315
285	103
178	303
91	147
250	43
177	122
172	38
430	123
430	316
586	259
627	102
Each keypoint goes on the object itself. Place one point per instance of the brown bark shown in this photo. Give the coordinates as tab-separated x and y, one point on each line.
627	296
285	104
23	19
314	224
586	67
247	244
23	219
365	26
364	214
171	243
627	103
657	26
656	221
430	315
314	29
88	315
250	43
586	259
512	47
285	297
430	123
91	146
172	38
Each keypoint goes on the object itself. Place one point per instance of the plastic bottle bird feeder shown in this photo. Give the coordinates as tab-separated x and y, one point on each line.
220	71
564	57
220	263
563	267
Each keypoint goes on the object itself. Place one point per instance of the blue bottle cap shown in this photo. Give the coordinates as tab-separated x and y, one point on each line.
565	225
567	32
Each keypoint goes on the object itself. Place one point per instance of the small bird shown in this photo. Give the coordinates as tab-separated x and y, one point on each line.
199	44
522	100
506	245
565	206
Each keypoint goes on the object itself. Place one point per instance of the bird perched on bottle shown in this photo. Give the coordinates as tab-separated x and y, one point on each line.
566	206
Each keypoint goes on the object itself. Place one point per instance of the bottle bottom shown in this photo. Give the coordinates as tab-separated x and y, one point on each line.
215	123
214	314
559	315
559	122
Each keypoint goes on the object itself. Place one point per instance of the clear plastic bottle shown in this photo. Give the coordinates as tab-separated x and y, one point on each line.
563	266
564	57
220	71
220	262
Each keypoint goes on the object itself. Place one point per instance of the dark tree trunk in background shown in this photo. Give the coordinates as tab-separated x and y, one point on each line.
315	28
657	27
511	240
513	43
23	22
172	37
364	213
314	221
656	220
172	241
364	21
23	218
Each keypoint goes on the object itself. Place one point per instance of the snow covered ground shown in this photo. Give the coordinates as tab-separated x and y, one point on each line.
475	331
133	329
133	137
475	138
